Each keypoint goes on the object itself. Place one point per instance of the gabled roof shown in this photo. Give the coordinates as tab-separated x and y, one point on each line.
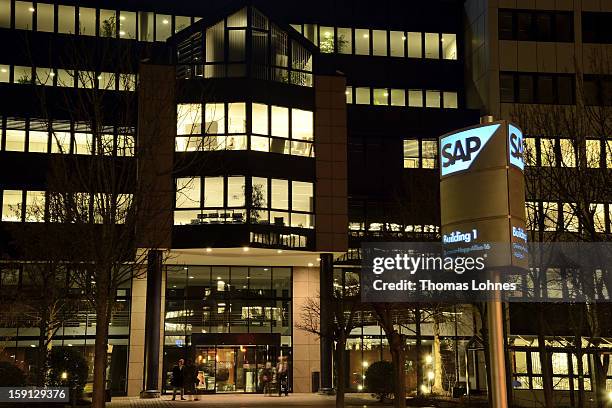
232	7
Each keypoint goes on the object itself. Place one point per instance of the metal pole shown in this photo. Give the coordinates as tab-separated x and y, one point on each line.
497	360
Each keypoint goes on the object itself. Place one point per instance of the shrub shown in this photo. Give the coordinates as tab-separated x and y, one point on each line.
379	379
67	360
11	375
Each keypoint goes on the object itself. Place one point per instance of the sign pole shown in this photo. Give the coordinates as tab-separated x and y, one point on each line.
497	358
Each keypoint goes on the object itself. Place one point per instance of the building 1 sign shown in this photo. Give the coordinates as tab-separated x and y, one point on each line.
482	190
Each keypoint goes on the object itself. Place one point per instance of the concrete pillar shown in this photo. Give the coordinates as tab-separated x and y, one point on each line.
326	283
152	325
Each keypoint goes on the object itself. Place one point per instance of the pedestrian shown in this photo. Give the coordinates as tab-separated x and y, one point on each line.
178	379
266	377
190	380
282	375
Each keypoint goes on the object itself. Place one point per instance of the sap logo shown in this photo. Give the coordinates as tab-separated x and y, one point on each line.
519	233
516	151
459	150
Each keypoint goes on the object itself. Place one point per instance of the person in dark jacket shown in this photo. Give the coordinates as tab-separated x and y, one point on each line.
190	380
178	379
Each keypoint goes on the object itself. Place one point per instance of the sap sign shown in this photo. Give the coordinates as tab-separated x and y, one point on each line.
458	151
516	150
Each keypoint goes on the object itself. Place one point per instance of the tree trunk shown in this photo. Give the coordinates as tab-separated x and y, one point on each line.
340	371
103	307
580	366
398	356
437	360
545	364
43	352
417	348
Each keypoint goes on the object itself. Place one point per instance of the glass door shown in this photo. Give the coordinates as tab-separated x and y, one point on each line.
205	363
225	374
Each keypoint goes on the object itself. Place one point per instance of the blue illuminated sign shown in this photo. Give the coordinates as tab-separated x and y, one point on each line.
516	148
459	150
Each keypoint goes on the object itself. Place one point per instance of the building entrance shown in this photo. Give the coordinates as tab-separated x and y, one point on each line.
228	363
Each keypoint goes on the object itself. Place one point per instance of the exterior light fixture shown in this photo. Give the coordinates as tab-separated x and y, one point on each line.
245	249
279	251
64	375
208	249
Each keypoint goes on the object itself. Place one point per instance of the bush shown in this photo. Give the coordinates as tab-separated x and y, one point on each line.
67	360
379	379
11	375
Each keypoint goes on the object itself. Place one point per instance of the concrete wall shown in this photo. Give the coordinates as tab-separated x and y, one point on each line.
306	353
137	335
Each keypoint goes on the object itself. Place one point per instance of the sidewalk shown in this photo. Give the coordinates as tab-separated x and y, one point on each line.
245	400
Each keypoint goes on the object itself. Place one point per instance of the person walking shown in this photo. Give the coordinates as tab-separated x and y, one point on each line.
190	380
178	379
266	378
282	375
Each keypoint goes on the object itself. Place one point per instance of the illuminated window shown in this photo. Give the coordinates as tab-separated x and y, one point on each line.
37	141
362	41
599	217
450	100
125	145
432	45
11	205
362	96
15	140
214	118
280	194
187	192
44	76
568	153
530	152
302	196
236	117
5	13
127	24
181	22
301	124
83	143
349	94
22	75
593	153
280	121
345	41
259	195
432	99
45	17
379	43
327	39
429	149
163	27
449	46
570	220
608	152
86	79
398	97
259	123
35	206
60	142
550	215
411	153
5	72
415	45
24	14
146	27
415	98
108	23
65	19
87	21
547	152
381	96
235	191
397	44
532	215
213	192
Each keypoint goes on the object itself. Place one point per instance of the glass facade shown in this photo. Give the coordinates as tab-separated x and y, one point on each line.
205	302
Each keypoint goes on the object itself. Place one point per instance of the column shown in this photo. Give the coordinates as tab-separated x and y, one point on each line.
327	344
152	325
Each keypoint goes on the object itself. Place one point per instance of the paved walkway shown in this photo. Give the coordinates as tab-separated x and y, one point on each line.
246	400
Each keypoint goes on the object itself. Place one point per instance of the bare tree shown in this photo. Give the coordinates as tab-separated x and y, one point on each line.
345	308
